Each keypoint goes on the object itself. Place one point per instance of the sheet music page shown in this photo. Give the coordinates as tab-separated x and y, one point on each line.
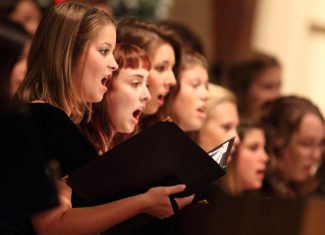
220	155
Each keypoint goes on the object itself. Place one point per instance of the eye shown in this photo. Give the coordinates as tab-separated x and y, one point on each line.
104	52
226	127
160	68
253	147
136	83
268	87
195	83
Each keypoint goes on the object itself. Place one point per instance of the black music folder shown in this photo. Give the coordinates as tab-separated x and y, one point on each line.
160	155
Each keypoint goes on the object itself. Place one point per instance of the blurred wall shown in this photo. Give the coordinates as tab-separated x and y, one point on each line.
198	16
225	26
294	30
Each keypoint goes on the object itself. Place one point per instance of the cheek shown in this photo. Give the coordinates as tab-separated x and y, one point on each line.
112	108
154	82
183	102
247	170
18	71
216	133
244	170
117	101
256	95
95	64
244	163
291	158
300	156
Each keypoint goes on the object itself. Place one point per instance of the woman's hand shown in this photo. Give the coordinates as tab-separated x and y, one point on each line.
158	203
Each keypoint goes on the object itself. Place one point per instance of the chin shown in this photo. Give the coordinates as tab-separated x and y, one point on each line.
96	99
193	127
127	130
302	179
258	185
254	186
149	110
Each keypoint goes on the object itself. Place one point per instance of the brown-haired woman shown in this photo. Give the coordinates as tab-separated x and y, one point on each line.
163	48
187	102
247	167
254	78
14	47
296	136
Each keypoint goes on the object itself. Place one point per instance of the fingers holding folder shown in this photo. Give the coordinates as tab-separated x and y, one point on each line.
159	203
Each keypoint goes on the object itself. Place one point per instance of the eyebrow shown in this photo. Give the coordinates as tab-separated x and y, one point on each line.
137	75
107	43
165	62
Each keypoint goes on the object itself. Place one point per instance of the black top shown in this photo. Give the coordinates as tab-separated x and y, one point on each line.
61	138
41	134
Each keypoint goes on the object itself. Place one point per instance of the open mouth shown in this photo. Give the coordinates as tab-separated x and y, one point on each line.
105	80
261	173
137	113
161	97
202	110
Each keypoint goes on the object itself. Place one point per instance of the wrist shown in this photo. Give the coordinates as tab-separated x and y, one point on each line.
143	202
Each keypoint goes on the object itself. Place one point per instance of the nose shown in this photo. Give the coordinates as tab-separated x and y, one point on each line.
112	65
170	80
145	94
316	154
275	94
205	95
264	156
237	139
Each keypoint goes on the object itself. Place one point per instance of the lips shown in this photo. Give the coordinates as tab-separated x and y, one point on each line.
137	113
260	173
308	169
105	80
202	111
161	99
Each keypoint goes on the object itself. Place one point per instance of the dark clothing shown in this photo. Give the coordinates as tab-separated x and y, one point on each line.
58	139
193	219
61	138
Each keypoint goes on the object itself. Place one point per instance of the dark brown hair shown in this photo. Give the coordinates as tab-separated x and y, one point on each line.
280	119
230	182
149	36
239	74
13	38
